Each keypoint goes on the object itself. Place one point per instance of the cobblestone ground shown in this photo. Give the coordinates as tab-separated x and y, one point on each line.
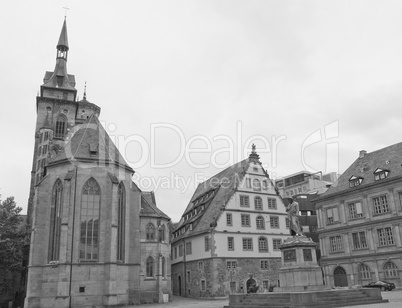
394	297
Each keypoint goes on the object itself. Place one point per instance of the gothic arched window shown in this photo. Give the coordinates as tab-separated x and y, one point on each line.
121	215
260	222
390	270
56	211
262	244
162	233
61	126
90	207
150	231
258	203
150	267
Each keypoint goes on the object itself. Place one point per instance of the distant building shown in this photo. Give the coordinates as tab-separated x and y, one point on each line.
305	182
360	221
227	239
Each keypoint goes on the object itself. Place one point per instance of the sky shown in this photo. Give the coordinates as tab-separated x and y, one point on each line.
186	87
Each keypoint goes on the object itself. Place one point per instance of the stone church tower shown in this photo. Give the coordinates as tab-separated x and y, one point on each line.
97	240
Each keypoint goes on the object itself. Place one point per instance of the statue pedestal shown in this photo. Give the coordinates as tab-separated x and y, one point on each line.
300	271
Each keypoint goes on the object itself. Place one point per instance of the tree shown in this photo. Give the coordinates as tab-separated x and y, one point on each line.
14	247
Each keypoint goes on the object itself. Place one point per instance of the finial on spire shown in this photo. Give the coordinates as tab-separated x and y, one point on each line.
65	11
85	91
253	155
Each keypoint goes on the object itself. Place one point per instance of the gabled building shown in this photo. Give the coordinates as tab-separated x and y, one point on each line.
227	239
360	221
97	240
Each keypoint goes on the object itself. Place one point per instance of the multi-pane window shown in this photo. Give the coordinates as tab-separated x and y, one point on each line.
260	222
245	220
336	243
390	270
276	242
90	205
380	205
385	236
264	184
380	174
247	244
262	244
180	250
121	211
150	267
56	210
355	210
355	181
287	223
258	203
332	215
229	219
256	185
264	264
231	265
265	284
364	272
206	243
188	248
61	126
272	203
359	240
244	201
230	243
150	232
274	221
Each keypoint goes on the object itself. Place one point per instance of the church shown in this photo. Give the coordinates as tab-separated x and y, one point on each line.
97	240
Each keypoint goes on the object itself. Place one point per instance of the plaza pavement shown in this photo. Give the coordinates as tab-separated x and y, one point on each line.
394	297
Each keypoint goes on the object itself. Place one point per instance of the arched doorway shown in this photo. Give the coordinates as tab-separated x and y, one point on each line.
179	284
340	277
250	285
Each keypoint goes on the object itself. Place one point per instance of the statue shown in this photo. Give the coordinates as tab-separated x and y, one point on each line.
293	215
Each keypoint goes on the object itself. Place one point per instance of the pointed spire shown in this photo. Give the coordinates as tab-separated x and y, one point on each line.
63	39
85	91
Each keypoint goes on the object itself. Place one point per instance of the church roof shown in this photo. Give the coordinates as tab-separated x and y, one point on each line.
90	143
364	167
148	206
214	193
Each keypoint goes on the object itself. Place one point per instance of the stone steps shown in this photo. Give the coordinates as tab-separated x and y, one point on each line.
324	299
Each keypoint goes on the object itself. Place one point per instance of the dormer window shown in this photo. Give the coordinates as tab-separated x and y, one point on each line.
380	174
355	181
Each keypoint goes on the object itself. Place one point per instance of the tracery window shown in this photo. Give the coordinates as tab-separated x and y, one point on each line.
56	211
364	272
162	233
61	126
150	231
90	208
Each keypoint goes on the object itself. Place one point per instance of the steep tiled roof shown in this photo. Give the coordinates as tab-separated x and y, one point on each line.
148	206
90	143
63	39
224	185
389	158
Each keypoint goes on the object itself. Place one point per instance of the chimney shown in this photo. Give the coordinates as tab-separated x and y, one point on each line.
362	153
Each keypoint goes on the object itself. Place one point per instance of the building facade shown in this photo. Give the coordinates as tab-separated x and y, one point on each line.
360	221
227	239
305	182
97	240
